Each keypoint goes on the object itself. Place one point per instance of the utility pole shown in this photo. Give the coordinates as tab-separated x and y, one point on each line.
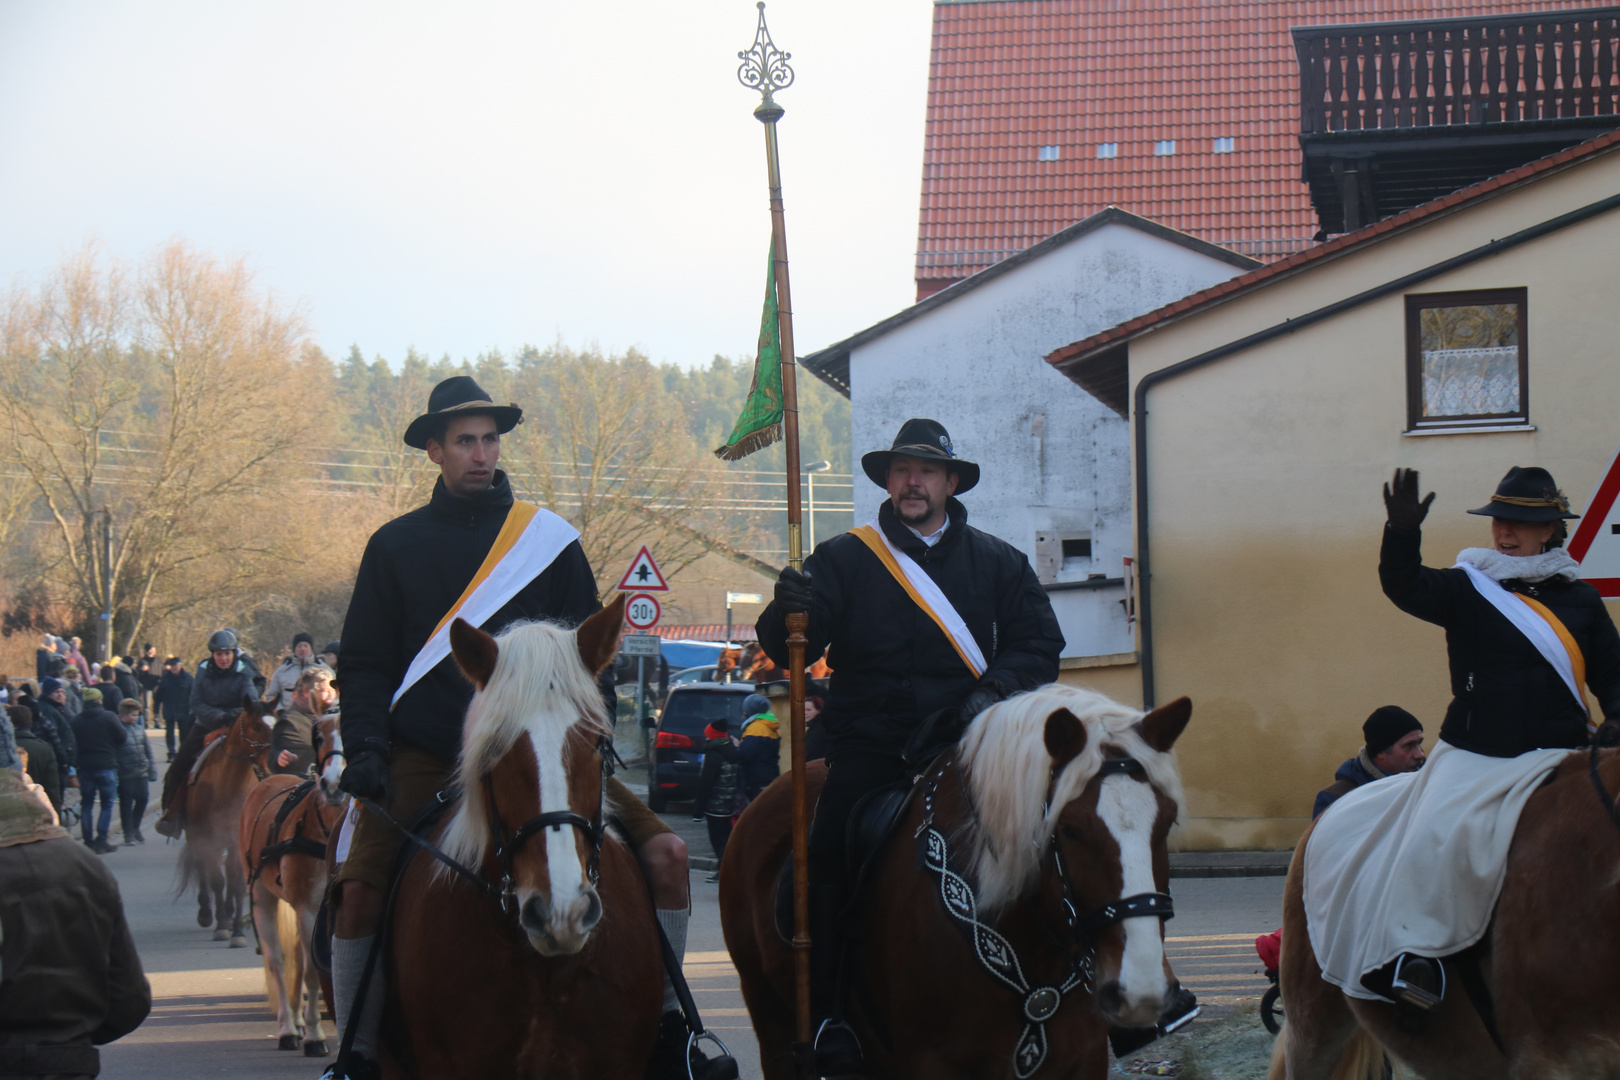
104	623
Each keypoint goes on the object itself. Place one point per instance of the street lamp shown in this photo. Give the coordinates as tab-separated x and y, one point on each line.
813	468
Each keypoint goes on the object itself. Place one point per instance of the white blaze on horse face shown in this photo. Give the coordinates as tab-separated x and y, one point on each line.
333	772
1130	809
571	894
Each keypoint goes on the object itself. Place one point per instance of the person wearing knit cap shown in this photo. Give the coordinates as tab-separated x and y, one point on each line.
1394	744
284	680
41	766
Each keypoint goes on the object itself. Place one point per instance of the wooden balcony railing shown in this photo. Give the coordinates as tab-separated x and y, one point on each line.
1433	73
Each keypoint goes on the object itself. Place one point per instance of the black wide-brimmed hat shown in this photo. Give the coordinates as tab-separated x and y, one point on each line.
457	396
1527	494
926	439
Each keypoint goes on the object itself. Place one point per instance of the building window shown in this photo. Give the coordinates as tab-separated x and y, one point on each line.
1467	360
1164	147
1047	153
1225	146
1108	150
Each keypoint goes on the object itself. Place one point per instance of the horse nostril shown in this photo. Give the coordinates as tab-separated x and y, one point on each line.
1109	999
533	915
593	910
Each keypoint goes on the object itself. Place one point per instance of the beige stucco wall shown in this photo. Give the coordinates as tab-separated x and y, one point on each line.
1264	488
1119	677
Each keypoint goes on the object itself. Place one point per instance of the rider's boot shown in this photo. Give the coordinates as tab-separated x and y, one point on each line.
837	1050
677	1053
172	822
1419	981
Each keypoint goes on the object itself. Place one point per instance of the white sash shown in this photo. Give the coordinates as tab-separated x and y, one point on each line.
534	549
932	600
1530	624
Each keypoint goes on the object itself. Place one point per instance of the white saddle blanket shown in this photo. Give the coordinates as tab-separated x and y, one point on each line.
1414	863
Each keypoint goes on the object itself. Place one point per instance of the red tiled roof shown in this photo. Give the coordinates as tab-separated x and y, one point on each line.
1076	353
1007	77
742	632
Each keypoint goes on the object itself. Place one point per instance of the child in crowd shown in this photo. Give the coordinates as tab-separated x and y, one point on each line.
136	769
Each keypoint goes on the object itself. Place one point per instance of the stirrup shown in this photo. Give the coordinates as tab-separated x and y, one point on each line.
693	1039
838	1069
1412	991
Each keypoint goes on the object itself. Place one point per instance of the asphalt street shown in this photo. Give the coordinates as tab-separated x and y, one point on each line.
210	1016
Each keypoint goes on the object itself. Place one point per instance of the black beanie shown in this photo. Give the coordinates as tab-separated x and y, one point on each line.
305	638
1385	727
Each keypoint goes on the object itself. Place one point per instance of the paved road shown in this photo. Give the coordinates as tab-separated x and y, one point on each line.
210	1017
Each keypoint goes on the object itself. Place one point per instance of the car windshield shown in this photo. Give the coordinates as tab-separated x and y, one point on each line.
690	711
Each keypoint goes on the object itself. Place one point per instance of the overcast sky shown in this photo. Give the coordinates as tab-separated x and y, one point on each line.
473	175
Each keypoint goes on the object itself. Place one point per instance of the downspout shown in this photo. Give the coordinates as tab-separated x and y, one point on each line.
1144	562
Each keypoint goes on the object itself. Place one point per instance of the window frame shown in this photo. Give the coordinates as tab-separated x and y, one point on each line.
1415	304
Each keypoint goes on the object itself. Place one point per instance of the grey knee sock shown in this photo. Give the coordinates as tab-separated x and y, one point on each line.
674	924
348	965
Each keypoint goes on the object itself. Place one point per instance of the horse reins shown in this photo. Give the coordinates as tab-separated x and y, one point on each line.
258	748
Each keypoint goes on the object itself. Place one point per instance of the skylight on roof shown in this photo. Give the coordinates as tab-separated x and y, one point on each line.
1108	150
1047	153
1164	148
1225	146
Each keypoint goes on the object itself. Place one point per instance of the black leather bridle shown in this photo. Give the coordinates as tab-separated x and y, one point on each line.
507	845
1100	918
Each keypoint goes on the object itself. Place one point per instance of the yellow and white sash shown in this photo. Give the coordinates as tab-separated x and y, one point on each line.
1545	630
926	594
529	541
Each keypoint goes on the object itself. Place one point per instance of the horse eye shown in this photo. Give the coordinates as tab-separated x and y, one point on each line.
1071	834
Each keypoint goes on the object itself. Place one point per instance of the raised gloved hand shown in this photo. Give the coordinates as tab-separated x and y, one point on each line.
1608	734
367	777
1405	512
793	593
979	700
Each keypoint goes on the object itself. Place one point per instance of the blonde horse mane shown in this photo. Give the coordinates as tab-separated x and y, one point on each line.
540	688
1004	756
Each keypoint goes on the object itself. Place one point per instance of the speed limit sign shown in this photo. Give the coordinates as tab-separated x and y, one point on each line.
642	612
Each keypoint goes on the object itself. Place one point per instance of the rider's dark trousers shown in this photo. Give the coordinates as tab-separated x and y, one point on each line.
849	778
184	758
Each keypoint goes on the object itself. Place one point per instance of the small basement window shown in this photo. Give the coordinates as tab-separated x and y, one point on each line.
1076	549
1467	360
1164	148
1108	150
1047	153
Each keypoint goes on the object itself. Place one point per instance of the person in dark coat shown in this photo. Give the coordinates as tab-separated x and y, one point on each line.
124	679
216	701
1393	744
45	657
172	699
99	735
107	683
41	767
758	754
718	784
136	770
292	740
70	979
894	669
51	723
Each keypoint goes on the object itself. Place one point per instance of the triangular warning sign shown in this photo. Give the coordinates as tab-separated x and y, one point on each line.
643	575
1595	544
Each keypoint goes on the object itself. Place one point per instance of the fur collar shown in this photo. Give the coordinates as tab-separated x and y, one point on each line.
1367	763
1556	563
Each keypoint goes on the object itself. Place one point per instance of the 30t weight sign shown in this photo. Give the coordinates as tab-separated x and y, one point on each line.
642	612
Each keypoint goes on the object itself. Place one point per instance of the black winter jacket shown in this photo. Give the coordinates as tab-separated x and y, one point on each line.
414	569
135	761
100	735
1506	697
111	694
216	695
51	724
173	695
892	666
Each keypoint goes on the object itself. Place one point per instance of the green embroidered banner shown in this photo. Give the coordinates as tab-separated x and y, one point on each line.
761	421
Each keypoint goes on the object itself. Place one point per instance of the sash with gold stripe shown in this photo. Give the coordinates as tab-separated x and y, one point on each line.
529	541
1545	631
926	594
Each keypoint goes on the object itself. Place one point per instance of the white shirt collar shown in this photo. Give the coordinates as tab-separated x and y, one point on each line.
932	538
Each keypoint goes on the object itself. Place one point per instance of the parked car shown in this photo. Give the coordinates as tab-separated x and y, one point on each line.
678	754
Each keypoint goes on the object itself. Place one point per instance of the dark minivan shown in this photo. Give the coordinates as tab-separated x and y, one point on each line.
678	748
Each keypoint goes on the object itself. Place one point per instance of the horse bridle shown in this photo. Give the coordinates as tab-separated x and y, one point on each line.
257	747
507	845
1087	926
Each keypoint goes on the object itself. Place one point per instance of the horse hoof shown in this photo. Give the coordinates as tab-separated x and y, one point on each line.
205	918
221	934
316	1048
289	1042
238	942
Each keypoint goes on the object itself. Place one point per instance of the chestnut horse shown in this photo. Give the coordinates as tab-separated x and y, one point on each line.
284	857
1549	966
540	956
1045	829
225	772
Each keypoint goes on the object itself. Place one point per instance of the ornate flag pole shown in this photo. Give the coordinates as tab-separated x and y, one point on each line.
765	68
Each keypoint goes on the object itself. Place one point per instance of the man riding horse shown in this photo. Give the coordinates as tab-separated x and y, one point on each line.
216	700
476	553
927	622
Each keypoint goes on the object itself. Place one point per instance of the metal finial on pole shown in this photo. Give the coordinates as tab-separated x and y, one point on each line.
765	68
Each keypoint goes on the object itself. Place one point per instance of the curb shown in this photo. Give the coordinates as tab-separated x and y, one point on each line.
1229	864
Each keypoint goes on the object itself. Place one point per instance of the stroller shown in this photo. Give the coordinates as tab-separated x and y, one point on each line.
1269	946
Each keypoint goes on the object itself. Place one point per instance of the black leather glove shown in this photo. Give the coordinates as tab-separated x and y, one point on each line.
981	699
1405	512
366	777
1608	734
793	593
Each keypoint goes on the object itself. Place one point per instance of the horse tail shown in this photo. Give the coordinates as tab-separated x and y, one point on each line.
292	965
1363	1058
185	872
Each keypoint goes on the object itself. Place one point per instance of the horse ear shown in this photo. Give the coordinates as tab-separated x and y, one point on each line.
599	635
1164	725
475	652
248	703
1065	737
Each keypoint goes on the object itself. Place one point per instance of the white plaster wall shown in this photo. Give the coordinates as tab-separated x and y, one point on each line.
1053	457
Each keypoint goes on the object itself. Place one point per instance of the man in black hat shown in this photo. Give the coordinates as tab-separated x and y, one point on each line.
899	675
1394	744
404	699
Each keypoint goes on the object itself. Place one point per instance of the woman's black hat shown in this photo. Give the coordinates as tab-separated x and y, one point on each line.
459	396
926	439
1527	494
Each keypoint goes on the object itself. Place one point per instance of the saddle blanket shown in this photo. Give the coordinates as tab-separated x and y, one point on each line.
1414	862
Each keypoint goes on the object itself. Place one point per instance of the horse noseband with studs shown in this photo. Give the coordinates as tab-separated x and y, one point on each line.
508	845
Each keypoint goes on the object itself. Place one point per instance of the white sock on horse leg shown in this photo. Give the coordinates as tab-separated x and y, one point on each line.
674	924
348	965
